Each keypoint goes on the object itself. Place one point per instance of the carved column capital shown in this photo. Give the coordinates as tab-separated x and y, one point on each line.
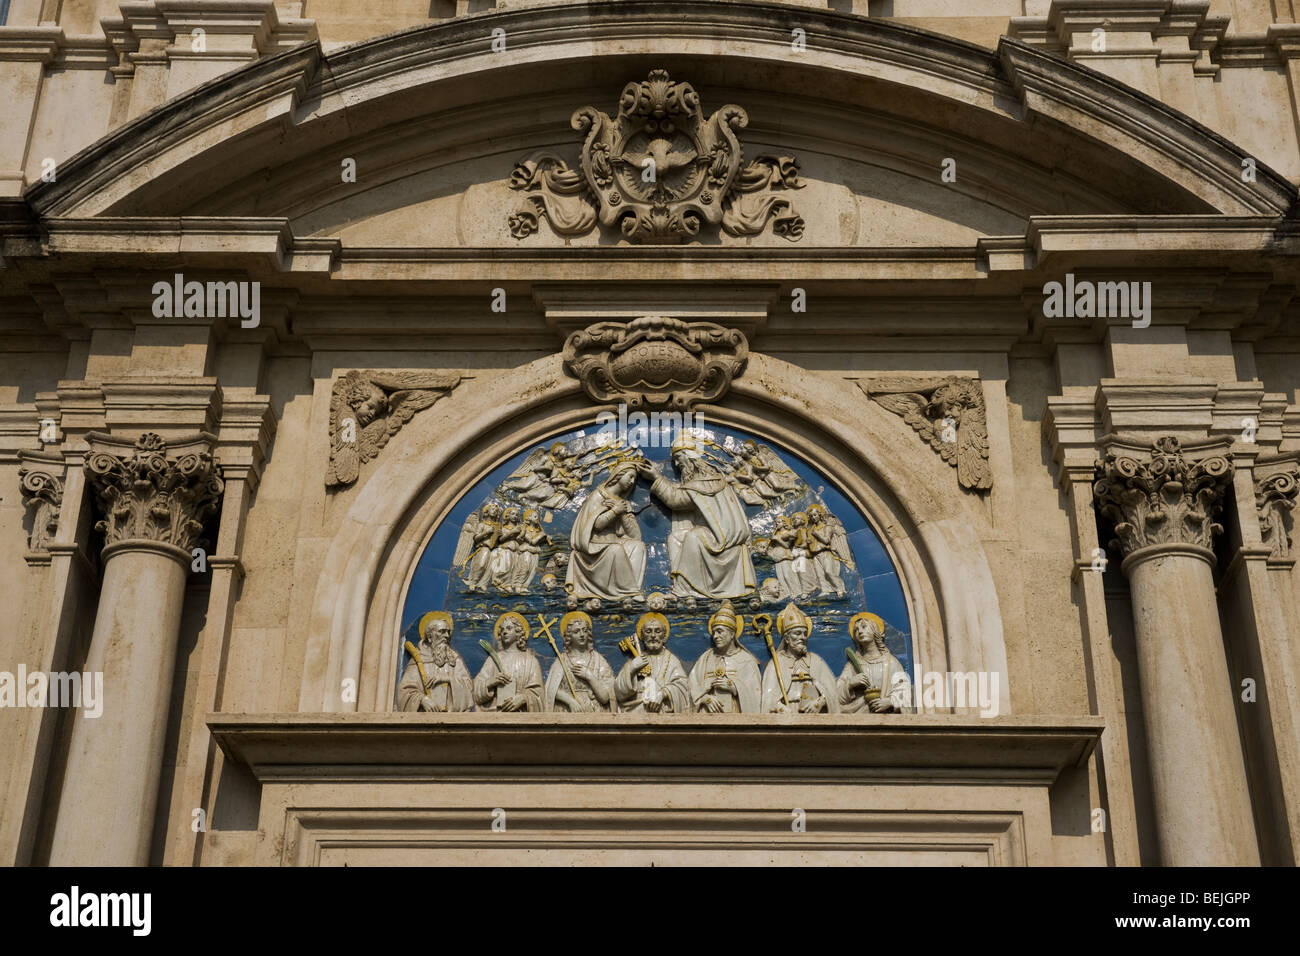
147	491
1160	496
1275	498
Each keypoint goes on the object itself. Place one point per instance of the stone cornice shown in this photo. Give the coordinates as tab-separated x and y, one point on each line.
289	746
1176	149
1132	27
1055	241
1143	125
29	44
236	30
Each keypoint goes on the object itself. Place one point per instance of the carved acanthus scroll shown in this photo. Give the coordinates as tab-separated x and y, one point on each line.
1275	498
367	408
1163	498
44	492
660	171
656	361
948	413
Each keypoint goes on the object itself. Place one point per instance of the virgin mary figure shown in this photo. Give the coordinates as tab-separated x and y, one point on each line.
608	555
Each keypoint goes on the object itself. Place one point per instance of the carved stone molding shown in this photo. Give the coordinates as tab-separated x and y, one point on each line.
146	492
1162	497
659	171
369	407
656	361
948	413
43	491
1275	498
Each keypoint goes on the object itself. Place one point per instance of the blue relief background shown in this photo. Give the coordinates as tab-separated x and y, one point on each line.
872	585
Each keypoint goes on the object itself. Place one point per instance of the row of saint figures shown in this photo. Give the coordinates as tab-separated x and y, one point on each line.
710	547
726	678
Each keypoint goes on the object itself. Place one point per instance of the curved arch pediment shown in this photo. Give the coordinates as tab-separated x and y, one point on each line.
431	113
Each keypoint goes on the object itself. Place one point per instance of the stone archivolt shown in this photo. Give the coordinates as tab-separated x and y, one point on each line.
660	171
948	413
367	408
1275	498
656	361
1163	499
147	495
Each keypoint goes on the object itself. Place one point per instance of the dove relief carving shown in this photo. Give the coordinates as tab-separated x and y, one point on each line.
659	171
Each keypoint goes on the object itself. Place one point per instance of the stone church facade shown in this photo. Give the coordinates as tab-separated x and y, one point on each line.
975	320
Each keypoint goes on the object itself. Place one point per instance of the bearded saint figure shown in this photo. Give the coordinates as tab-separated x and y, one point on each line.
709	545
440	682
654	680
797	681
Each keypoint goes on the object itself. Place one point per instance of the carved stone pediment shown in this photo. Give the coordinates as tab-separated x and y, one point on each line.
369	407
1162	497
946	412
656	361
659	170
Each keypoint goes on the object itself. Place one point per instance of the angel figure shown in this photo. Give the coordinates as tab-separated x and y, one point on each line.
368	408
547	477
474	548
531	539
759	475
506	554
949	414
829	548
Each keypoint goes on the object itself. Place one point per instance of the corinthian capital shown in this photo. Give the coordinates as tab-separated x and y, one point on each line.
147	492
1160	496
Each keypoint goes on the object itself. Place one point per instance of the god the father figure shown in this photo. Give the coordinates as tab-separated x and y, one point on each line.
708	547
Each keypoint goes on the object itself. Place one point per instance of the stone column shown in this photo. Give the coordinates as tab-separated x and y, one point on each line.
1163	507
153	504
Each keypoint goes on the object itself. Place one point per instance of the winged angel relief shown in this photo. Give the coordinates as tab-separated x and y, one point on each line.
660	171
949	414
368	408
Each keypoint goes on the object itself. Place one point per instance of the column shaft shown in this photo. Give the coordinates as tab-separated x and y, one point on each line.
1198	773
110	790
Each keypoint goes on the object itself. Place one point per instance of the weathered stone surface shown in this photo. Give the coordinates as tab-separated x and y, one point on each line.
884	295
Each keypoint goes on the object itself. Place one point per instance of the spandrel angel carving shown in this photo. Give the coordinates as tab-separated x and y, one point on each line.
367	408
949	414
